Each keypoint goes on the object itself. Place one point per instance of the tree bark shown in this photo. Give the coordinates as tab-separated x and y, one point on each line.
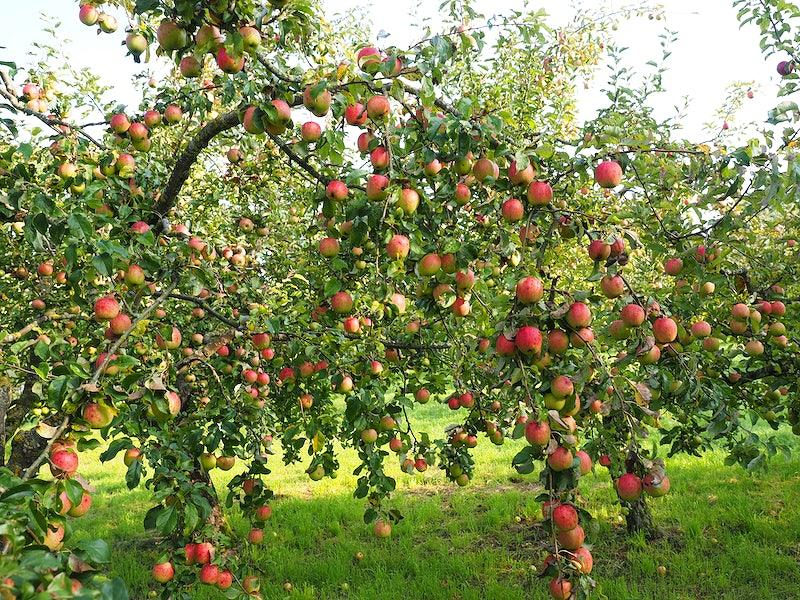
26	446
639	519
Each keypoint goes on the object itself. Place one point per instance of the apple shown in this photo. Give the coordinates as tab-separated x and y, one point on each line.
629	487
355	114
612	286
557	341
163	572
376	187
599	250
540	193
528	339
329	247
485	168
632	315
565	517
504	346
578	315
119	123
537	433
342	302
529	290
170	36
398	247
318	103
429	265
665	330
608	174
561	459
336	190
513	210
209	574
310	131
521	177
378	108
673	266
88	14
382	529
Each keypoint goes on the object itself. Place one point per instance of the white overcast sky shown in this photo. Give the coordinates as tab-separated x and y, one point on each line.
711	54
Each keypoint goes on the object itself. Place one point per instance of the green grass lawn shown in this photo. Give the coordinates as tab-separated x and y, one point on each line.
726	534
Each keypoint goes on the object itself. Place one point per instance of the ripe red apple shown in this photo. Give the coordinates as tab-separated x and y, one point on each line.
504	346
560	588
209	574
612	286
310	131
342	302
369	59
608	174
429	265
131	455
173	113
352	325
256	536
578	315
376	187
336	190
398	247
537	433
528	339
561	459
565	517
629	487
485	168
701	329
88	14
540	193
586	460
378	108
224	580
329	247
203	553
557	341
380	158
355	114
462	194
521	177
561	386
599	250
64	460
382	529
673	266
120	324
513	210
529	290
632	315
665	330
163	572
119	123
106	308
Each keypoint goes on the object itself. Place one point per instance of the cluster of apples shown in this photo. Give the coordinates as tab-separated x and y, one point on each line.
89	15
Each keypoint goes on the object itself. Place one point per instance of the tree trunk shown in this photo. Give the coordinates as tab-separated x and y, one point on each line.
26	446
639	518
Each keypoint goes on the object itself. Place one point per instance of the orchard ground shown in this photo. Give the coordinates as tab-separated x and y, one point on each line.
726	534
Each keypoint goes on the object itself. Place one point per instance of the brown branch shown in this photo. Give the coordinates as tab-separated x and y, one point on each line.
180	172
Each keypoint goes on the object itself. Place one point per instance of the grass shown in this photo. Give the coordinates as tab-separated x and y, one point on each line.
726	534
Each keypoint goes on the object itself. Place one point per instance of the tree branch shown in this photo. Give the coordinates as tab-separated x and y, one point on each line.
182	168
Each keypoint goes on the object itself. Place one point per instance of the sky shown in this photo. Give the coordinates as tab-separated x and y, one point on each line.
711	53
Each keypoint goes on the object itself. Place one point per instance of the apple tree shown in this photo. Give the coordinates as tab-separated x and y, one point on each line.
297	237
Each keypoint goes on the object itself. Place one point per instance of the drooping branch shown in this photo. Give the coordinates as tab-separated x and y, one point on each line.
299	161
183	166
53	122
